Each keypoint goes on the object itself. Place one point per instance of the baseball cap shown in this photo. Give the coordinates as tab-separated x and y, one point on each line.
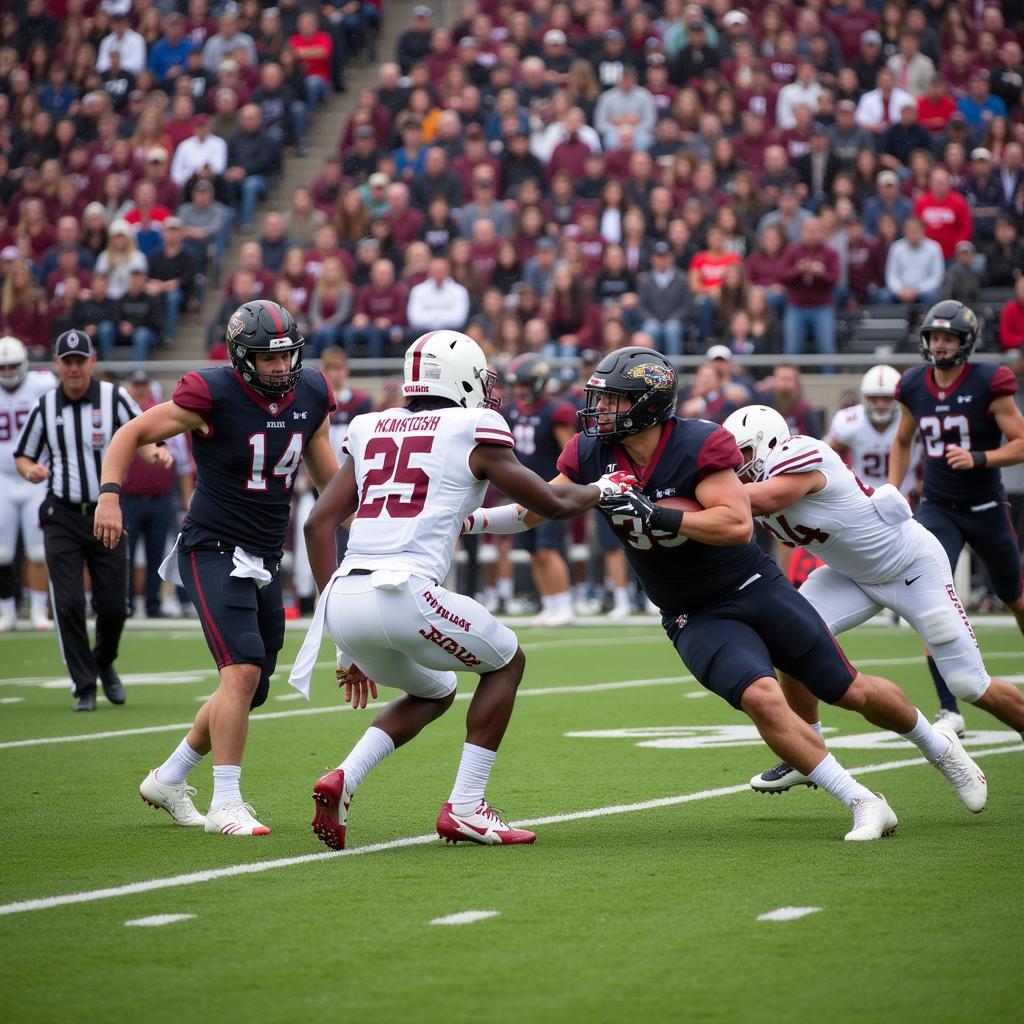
964	246
9	252
173	222
661	249
981	153
656	60
613	33
120	227
695	25
719	352
888	178
871	36
157	154
734	18
421	11
957	118
819	128
554	37
203	185
547	243
73	343
377	180
846	105
138	377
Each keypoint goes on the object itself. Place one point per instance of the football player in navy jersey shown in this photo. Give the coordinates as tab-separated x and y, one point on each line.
963	410
542	427
251	424
728	610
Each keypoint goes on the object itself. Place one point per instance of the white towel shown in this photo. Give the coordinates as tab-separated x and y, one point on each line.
250	567
891	505
169	566
302	671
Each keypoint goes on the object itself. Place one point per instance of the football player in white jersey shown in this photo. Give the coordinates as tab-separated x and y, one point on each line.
412	475
19	499
863	434
876	556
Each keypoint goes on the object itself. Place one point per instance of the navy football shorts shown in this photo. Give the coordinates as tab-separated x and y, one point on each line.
764	623
243	624
550	534
989	532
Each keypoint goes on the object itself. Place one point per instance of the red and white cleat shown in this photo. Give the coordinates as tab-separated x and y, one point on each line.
331	800
235	819
483	826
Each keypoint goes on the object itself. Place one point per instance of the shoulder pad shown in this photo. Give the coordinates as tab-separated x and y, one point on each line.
798	454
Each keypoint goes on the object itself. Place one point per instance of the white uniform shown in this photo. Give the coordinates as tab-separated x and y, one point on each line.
415	488
876	556
20	500
869	448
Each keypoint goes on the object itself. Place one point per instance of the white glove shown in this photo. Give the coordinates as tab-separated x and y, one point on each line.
612	484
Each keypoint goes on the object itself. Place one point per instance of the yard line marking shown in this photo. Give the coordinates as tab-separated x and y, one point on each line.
788	913
258	867
625	684
465	917
288	696
157	920
11	700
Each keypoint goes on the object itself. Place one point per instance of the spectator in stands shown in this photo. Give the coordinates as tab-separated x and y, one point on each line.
435	182
201	153
945	213
96	314
24	311
139	317
912	70
120	258
284	113
206	224
403	221
817	168
865	267
172	275
765	266
1004	255
242	289
303	220
438	302
627	103
887	200
811	272
1007	80
784	391
979	106
275	241
414	42
881	106
1011	177
962	280
1011	319
168	56
804	91
518	164
707	269
788	214
573	320
696	57
936	106
484	205
380	318
227	39
914	267
900	140
253	156
330	306
126	42
315	50
984	194
664	302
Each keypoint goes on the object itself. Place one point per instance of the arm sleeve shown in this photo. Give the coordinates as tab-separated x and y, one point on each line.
193	393
491	428
1003	382
719	451
30	444
569	461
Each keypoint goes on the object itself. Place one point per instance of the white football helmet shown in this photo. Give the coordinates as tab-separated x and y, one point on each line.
13	362
447	364
878	393
760	429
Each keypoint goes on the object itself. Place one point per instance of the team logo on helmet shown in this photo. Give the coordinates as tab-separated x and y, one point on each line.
654	376
235	326
971	318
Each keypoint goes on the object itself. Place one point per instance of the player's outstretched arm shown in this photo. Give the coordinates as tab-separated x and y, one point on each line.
902	446
155	424
1010	421
770	496
338	500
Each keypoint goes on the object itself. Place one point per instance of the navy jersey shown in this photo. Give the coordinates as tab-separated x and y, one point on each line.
246	463
533	427
957	415
678	574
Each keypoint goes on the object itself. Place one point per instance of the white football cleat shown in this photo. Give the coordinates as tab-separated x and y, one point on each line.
483	826
587	606
175	800
872	819
780	778
619	612
7	619
235	819
952	718
40	620
556	617
963	774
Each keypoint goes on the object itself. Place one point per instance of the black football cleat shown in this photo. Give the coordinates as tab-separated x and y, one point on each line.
780	778
86	701
113	688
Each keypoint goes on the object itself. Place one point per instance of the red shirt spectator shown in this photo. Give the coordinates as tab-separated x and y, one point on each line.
313	49
1011	320
945	213
707	268
934	109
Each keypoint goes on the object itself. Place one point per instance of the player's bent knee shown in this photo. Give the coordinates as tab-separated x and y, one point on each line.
763	698
968	686
856	695
259	698
940	626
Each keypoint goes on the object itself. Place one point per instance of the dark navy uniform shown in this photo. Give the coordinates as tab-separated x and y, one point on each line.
728	610
965	505
245	465
533	427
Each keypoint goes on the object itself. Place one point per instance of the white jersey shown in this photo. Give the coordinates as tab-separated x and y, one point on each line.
14	409
869	448
840	523
415	485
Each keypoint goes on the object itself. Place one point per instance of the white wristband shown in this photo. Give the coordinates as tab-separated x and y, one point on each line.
503	519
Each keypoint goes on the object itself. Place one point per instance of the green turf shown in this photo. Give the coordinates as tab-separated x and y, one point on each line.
643	915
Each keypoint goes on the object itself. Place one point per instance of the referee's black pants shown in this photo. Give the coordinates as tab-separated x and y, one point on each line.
70	545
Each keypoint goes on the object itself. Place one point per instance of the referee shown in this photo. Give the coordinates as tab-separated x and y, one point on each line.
73	425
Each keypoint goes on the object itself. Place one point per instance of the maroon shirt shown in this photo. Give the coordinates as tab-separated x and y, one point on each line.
569	155
809	291
750	151
866	267
765	270
389	303
405	227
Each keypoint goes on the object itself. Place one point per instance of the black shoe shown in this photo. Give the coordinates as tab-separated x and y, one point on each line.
86	702
113	688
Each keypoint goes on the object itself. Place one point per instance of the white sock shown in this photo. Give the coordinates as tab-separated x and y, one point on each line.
174	771
471	780
562	602
621	597
580	591
226	779
7	606
38	600
373	746
490	595
545	603
504	587
832	777
816	726
928	740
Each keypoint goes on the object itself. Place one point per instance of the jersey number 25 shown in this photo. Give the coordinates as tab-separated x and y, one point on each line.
394	467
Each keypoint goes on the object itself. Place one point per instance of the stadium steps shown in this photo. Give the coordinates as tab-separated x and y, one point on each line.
325	132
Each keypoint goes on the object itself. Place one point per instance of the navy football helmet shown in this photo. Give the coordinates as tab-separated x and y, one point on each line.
956	318
646	377
264	326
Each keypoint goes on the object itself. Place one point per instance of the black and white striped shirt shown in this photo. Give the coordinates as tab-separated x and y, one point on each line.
75	436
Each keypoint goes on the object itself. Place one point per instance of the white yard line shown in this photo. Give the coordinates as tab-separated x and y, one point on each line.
465	917
788	913
195	877
158	920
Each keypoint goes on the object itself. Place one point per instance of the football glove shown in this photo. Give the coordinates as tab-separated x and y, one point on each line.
612	484
638	506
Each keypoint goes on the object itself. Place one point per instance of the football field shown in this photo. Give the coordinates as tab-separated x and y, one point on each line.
660	886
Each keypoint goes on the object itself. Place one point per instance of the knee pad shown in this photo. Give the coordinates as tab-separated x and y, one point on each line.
7	556
248	647
263	686
939	626
967	685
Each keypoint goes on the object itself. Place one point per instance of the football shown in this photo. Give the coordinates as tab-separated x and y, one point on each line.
682	504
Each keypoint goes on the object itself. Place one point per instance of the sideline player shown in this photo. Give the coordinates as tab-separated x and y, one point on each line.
863	434
726	606
252	424
412	475
963	410
541	427
20	392
876	556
